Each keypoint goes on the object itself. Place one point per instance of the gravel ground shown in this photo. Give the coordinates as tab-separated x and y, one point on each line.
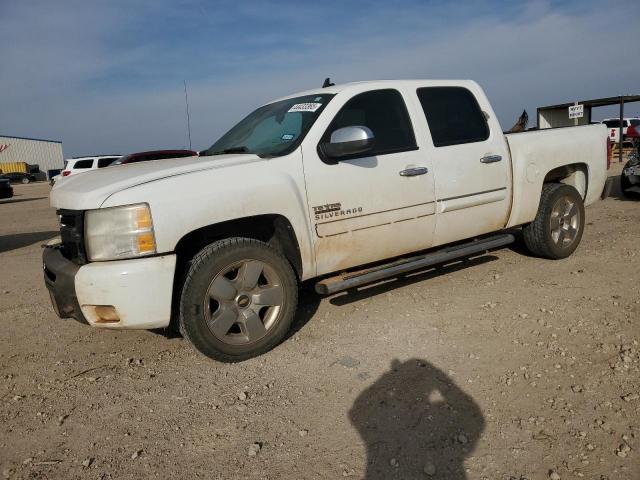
502	367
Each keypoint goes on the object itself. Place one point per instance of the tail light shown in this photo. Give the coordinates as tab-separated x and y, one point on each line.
66	173
609	153
632	131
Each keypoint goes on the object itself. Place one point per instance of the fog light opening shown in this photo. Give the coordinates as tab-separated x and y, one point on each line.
106	314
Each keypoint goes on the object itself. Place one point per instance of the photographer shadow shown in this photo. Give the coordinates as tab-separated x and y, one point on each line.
416	423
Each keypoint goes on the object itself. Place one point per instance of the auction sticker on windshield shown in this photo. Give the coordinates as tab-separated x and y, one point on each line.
305	107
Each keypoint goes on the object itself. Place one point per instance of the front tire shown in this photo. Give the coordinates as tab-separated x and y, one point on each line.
239	299
25	180
556	231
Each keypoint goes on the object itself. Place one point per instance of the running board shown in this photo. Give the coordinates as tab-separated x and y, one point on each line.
349	280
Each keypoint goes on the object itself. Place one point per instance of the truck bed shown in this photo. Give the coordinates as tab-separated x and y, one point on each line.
536	152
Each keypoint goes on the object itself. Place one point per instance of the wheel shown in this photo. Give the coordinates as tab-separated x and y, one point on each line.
25	180
238	300
557	229
625	184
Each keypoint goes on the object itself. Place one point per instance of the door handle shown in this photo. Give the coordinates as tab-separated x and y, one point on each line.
412	172
491	159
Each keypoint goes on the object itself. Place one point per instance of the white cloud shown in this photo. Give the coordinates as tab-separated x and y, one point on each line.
67	75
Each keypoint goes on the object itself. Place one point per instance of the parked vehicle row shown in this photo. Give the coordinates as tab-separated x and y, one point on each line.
347	185
18	177
154	155
77	165
613	126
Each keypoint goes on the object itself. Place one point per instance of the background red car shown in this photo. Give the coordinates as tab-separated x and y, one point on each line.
153	155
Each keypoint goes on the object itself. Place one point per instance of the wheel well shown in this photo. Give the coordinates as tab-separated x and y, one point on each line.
575	174
274	230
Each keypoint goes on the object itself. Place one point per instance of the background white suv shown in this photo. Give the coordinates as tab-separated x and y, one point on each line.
613	126
84	164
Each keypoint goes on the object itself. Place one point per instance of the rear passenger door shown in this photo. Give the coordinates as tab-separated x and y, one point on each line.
375	206
470	163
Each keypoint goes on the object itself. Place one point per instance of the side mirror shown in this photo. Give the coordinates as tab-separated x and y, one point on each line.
348	141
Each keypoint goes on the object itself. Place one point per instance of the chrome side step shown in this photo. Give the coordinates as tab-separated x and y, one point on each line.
349	280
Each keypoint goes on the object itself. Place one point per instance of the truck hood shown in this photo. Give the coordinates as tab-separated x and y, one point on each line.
90	189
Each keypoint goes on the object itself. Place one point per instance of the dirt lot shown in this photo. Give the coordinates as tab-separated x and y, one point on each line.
504	367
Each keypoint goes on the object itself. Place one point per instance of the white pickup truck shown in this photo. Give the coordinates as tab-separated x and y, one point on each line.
347	185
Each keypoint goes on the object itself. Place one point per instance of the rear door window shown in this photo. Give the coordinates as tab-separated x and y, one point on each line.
453	115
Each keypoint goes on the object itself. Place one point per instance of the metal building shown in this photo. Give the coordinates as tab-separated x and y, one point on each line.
47	154
579	113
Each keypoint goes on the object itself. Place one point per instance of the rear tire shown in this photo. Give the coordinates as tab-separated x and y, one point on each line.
238	300
25	180
556	231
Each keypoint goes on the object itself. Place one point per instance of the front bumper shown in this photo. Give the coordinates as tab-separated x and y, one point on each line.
139	290
59	278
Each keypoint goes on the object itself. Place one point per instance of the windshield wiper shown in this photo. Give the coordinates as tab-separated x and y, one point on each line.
241	149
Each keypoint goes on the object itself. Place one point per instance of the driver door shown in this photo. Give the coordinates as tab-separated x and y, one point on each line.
377	205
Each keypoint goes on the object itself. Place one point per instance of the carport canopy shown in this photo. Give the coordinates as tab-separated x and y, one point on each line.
554	116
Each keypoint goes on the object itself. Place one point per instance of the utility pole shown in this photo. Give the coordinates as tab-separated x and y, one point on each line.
186	102
620	142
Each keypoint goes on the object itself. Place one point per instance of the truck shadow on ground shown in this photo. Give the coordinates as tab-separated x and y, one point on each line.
416	423
19	240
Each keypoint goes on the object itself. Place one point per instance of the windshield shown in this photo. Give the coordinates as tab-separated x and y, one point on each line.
272	130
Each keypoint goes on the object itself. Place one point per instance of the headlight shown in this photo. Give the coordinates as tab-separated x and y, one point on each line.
119	232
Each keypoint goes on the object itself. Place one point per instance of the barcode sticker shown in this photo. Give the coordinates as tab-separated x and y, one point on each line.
305	107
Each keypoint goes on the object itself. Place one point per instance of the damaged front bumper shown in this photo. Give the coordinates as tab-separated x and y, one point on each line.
59	278
119	294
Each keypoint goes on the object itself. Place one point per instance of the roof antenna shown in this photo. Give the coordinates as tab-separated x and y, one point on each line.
327	83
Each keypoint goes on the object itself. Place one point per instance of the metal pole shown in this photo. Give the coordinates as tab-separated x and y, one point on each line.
620	133
186	101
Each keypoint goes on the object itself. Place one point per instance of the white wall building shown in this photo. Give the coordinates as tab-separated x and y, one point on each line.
47	154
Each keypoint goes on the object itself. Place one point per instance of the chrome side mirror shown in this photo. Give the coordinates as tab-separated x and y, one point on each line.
348	141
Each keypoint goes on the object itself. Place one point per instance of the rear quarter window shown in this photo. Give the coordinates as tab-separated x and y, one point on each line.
105	162
453	115
80	164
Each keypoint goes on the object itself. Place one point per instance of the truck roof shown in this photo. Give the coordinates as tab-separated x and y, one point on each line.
374	84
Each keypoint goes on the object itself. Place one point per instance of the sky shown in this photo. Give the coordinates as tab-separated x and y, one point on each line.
107	76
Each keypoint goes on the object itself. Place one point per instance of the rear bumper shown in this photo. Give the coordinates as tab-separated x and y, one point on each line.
138	290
